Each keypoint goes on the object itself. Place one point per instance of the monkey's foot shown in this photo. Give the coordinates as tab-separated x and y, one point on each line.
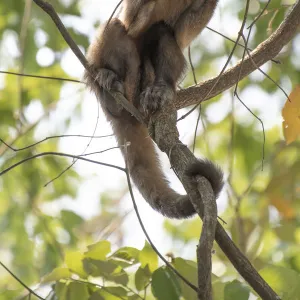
109	80
156	96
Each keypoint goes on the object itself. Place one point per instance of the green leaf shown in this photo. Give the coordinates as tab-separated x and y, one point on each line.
125	257
129	254
295	262
107	269
110	293
188	269
96	296
74	261
134	297
120	278
284	281
57	274
165	285
78	291
148	257
70	219
98	267
61	289
98	251
218	290
236	291
117	291
104	295
142	278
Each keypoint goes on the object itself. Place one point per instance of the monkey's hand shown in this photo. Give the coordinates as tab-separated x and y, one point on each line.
105	81
109	80
156	96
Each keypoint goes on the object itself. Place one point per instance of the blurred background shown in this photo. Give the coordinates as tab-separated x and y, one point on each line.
48	207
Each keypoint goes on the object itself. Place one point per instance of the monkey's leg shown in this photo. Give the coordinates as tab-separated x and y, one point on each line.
114	57
167	60
193	21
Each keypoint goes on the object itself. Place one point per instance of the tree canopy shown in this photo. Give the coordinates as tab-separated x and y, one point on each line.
51	250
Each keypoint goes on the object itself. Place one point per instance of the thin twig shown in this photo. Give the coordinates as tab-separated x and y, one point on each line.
22	49
264	52
59	154
199	113
82	153
47	7
146	233
114	11
261	71
225	66
263	129
52	137
5	146
21	282
241	45
259	15
41	77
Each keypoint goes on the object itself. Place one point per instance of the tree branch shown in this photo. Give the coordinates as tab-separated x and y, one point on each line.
164	131
59	154
264	52
166	135
205	246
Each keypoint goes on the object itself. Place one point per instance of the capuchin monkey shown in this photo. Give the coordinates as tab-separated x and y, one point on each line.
139	53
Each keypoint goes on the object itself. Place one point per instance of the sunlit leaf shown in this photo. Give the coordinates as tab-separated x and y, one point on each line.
284	281
57	274
148	257
74	259
291	116
98	250
129	254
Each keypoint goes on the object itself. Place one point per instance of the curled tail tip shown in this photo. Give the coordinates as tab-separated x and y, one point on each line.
212	172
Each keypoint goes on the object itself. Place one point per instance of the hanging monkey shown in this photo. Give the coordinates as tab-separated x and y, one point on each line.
139	53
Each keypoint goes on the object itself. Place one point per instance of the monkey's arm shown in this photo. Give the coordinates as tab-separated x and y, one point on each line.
193	21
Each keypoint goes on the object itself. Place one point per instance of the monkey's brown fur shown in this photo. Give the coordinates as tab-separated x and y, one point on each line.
140	55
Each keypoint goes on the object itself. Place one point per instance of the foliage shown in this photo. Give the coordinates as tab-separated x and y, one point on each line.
42	242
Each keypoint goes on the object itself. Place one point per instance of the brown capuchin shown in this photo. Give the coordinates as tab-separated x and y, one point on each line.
139	53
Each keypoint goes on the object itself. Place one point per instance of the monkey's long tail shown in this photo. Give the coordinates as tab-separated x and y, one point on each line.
147	174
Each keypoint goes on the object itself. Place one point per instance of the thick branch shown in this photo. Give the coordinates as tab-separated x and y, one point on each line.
164	132
205	246
264	52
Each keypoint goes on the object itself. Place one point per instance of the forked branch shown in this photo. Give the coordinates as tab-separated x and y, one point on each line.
264	52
